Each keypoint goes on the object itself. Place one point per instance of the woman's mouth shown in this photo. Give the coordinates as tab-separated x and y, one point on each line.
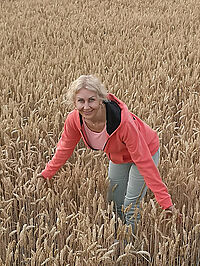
87	112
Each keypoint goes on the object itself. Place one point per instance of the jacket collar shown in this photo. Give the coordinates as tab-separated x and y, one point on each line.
113	116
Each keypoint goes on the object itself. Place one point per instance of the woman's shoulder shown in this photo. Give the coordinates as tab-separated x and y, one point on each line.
72	114
72	117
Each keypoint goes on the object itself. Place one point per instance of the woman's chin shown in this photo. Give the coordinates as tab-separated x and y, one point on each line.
88	115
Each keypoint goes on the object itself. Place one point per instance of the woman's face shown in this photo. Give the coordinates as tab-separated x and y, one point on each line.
87	103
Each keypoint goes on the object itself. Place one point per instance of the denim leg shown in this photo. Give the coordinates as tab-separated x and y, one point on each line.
118	175
136	190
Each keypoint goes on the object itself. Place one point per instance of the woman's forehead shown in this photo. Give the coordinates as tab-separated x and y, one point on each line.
84	93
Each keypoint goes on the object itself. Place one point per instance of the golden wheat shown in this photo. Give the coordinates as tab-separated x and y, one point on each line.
148	54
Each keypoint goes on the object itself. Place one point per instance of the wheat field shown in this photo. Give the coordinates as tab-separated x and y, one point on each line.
147	53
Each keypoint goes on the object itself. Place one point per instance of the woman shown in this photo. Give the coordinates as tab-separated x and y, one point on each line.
105	123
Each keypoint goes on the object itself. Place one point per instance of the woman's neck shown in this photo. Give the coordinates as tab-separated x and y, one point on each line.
98	122
100	117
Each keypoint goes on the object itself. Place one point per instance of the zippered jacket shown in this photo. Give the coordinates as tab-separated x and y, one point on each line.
130	140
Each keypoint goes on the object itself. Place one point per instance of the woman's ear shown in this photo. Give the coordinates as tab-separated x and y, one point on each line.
100	101
74	103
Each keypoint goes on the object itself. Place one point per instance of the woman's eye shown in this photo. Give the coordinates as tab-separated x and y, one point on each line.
80	100
91	100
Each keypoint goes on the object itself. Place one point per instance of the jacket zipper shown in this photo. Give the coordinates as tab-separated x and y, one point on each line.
105	144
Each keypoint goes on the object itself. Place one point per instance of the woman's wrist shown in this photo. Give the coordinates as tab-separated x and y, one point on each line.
171	208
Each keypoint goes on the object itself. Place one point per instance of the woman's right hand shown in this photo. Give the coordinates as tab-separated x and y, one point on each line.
42	179
40	176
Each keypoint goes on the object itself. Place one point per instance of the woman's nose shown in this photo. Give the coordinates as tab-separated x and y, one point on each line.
86	105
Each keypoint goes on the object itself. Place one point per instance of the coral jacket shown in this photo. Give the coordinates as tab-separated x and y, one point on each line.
130	140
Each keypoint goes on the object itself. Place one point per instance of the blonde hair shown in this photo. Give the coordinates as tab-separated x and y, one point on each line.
88	82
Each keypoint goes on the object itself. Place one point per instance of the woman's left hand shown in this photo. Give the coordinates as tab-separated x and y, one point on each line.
173	211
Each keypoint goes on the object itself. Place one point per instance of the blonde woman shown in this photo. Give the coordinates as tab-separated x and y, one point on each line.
132	147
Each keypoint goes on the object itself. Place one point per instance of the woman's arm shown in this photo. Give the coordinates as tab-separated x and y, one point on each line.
65	147
142	157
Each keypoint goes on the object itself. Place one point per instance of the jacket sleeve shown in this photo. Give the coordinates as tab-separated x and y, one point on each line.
142	157
65	147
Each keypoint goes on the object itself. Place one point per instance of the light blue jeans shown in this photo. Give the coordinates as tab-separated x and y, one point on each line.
127	186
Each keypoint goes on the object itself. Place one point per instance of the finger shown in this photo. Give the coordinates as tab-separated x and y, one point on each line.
168	214
179	218
40	183
40	176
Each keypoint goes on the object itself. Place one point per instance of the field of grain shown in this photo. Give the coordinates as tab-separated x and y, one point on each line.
148	54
